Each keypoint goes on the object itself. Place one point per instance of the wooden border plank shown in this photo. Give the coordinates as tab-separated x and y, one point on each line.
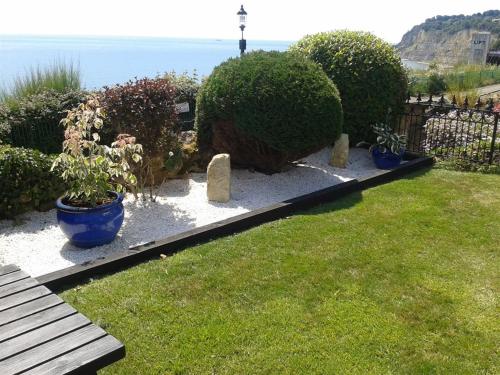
83	360
17	286
30	308
23	297
172	244
50	350
34	321
42	335
4	270
12	277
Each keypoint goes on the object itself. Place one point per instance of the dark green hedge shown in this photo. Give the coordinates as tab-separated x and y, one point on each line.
267	108
367	71
26	182
33	121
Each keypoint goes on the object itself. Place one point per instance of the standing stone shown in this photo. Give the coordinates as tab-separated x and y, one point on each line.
340	153
219	179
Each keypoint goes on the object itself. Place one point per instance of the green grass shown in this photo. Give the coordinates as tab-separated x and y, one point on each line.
402	278
460	80
57	76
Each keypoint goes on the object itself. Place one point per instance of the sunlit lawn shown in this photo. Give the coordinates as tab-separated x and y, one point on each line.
402	278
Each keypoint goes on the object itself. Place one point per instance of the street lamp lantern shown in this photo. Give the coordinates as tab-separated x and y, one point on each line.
242	14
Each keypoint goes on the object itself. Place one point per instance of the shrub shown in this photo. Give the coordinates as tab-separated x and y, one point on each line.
26	181
367	71
267	109
186	90
34	121
436	84
145	109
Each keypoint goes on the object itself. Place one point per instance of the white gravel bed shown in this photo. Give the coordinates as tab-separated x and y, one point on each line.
38	246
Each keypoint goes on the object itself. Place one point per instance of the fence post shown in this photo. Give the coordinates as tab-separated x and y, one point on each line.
493	138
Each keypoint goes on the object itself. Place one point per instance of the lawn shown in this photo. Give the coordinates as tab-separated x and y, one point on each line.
401	278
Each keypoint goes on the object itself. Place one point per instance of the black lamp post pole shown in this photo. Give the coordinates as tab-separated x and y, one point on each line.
243	42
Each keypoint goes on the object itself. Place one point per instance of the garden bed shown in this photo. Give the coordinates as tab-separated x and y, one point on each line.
39	247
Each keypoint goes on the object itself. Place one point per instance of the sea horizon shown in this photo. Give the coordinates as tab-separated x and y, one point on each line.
109	60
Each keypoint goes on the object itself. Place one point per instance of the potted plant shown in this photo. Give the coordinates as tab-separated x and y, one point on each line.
91	212
388	152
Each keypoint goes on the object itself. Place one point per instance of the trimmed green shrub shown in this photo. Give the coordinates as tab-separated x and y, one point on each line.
267	109
26	182
34	121
367	71
436	84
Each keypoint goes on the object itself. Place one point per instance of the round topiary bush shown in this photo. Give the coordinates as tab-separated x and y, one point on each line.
367	71
266	109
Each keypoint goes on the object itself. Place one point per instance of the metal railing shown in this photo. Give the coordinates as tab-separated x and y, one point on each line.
450	130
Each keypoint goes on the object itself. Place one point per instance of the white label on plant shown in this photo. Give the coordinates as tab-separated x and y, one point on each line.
182	107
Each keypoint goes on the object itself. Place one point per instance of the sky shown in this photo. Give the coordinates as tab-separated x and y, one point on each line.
267	19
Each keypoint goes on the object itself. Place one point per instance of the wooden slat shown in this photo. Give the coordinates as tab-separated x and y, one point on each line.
50	350
29	308
83	360
17	286
23	297
34	321
13	276
8	269
41	335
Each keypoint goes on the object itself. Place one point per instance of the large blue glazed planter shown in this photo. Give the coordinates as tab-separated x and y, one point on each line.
386	160
89	227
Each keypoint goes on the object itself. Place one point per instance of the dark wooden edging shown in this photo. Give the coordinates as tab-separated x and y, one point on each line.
170	245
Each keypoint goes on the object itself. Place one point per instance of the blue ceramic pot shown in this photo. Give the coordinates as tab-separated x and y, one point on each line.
386	160
89	227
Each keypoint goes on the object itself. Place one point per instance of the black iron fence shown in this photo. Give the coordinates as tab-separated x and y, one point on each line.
450	130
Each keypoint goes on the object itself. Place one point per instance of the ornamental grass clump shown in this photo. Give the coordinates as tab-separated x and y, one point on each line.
267	109
92	170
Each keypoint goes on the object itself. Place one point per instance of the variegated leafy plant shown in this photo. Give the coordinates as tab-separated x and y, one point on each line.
387	140
90	169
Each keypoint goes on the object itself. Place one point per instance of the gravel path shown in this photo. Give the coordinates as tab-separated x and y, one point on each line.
38	246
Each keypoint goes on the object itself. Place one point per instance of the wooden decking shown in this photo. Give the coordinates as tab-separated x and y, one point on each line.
41	334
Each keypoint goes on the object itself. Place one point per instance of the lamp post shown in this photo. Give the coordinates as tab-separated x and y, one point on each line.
243	20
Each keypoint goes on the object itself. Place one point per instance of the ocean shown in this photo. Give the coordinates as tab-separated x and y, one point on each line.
110	60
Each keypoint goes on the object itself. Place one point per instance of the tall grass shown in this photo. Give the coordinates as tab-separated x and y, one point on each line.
58	76
461	80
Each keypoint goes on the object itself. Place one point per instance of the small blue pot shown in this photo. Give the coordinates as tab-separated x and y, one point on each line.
89	227
386	160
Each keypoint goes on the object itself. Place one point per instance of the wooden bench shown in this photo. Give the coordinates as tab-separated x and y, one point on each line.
41	334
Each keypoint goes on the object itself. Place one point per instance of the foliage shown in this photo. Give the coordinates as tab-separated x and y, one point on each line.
145	109
436	84
26	181
186	90
401	279
34	121
367	71
57	77
467	165
267	109
387	140
458	80
453	24
91	170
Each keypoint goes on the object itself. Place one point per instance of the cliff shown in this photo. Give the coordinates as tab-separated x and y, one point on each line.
447	39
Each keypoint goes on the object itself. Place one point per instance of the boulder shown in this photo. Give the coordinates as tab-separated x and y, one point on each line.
340	153
219	178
